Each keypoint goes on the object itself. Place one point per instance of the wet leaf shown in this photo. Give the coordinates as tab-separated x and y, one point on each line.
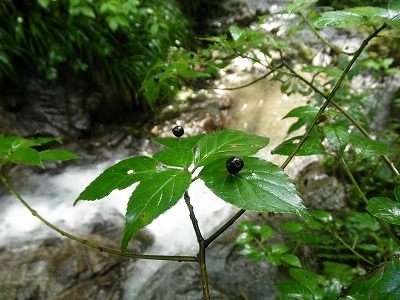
338	137
119	176
381	283
152	197
384	209
260	186
339	19
227	143
365	147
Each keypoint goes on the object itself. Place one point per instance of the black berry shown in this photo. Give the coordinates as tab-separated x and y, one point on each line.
178	131
234	165
156	78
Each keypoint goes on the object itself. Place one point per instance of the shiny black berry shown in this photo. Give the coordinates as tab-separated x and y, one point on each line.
234	165
156	78
178	131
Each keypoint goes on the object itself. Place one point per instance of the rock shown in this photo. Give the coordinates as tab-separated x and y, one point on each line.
231	276
60	268
320	190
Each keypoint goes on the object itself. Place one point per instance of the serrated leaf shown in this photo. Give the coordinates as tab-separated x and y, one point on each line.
311	146
299	5
384	209
180	157
306	111
381	283
307	278
338	137
25	156
174	143
339	19
365	147
151	198
260	186
227	143
119	176
334	72
57	155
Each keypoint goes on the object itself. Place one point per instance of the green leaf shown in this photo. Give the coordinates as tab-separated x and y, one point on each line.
365	147
57	155
323	216
235	32
119	176
43	3
384	209
227	143
397	193
293	226
152	197
311	146
175	143
299	5
338	137
333	72
381	283
25	156
306	111
179	157
294	290
307	278
393	17
291	260
260	186
339	19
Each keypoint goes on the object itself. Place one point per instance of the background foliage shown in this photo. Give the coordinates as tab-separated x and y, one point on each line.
118	40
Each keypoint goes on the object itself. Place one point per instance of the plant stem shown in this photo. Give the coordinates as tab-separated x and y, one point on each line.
331	95
322	39
351	249
91	244
201	256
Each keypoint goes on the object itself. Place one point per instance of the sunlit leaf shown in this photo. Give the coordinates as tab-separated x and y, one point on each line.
25	156
119	176
384	209
311	146
381	283
151	198
260	186
307	111
227	143
339	19
365	147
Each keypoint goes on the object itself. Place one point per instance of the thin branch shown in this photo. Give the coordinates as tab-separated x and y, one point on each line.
388	162
201	256
337	49
224	227
331	95
91	244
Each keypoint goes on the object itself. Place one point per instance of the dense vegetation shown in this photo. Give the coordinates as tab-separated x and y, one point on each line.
355	248
118	40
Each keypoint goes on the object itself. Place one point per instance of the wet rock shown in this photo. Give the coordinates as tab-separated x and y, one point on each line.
320	190
231	276
60	268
